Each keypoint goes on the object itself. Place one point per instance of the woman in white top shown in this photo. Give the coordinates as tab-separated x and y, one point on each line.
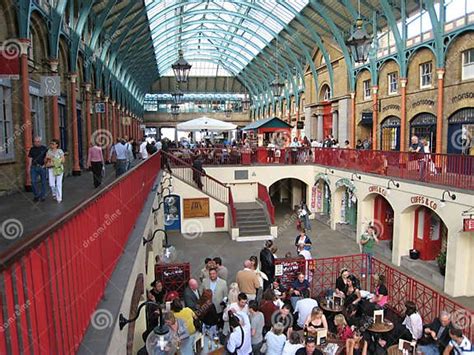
55	165
413	322
275	340
293	344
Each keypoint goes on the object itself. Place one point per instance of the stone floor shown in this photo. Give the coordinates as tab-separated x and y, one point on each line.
18	209
326	243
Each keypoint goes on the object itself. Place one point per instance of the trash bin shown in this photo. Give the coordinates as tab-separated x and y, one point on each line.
219	218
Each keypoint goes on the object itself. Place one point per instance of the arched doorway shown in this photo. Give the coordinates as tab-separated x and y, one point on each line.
461	131
325	98
390	133
423	125
286	193
345	206
430	233
321	199
383	218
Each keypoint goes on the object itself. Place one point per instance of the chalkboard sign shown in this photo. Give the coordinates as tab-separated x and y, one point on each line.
174	277
287	269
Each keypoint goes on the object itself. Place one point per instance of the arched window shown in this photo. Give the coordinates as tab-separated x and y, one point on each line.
326	93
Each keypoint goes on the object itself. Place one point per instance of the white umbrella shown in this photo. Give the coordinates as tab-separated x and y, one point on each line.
205	123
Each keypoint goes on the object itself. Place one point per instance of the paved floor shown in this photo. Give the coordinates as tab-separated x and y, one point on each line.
20	216
326	243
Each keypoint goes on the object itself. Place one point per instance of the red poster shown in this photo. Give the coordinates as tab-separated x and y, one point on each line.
468	225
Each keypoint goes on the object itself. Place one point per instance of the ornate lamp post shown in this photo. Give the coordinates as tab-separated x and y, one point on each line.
181	68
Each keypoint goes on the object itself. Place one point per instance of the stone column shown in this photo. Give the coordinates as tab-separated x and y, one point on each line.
87	87
98	115
76	169
439	111
53	64
320	127
106	122
375	112
403	114
335	125
352	140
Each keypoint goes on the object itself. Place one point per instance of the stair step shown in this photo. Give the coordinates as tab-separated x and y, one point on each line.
249	212
254	227
252	222
252	218
253	232
254	238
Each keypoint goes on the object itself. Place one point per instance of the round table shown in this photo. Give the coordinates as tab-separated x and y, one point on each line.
340	350
384	327
334	309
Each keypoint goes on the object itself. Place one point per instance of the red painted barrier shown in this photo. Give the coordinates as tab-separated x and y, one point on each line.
440	169
401	288
265	197
51	282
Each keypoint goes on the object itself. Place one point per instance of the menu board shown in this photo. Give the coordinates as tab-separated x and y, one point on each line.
287	269
174	277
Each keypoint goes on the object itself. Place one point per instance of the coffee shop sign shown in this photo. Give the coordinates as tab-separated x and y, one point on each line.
423	200
378	189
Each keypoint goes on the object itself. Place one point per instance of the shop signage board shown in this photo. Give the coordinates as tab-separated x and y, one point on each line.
426	201
468	225
174	277
196	207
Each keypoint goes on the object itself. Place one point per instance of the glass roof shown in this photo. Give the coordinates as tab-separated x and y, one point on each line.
218	37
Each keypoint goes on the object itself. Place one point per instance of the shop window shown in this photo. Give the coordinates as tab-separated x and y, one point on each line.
393	83
326	93
367	93
468	64
6	126
426	75
62	124
37	116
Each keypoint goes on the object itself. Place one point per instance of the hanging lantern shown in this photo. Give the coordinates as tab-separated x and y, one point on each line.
359	43
175	110
177	96
277	86
181	68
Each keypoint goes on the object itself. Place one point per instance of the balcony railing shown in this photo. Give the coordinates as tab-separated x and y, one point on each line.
52	281
264	196
440	169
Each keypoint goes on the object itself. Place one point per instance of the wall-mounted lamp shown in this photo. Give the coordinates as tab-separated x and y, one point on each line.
158	338
326	171
169	188
451	195
356	175
169	251
394	183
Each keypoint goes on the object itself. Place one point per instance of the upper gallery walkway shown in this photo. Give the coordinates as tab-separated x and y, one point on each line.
437	169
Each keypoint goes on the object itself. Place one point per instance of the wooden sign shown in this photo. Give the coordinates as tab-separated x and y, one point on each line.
468	225
196	207
287	269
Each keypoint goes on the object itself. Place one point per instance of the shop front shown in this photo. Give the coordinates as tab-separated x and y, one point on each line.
321	195
348	208
423	125
383	217
430	233
461	132
390	133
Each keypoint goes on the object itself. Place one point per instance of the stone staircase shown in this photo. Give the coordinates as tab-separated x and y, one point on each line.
252	221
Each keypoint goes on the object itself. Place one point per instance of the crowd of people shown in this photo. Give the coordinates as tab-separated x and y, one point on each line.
259	312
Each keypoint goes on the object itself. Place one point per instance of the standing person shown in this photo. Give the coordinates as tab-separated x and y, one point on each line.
240	339
206	312
130	153
36	168
295	145
367	241
198	171
248	281
415	146
191	294
95	162
143	150
305	213
359	145
218	288
119	150
303	239
293	344
275	339
55	165
267	261
222	271
257	322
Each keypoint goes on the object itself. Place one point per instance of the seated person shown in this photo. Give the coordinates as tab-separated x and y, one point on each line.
309	348
353	293
353	319
158	291
436	335
341	283
356	345
381	292
304	307
344	331
298	286
459	343
412	323
316	320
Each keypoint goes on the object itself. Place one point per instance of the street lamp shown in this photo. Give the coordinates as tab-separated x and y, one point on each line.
181	68
175	110
158	337
277	86
443	201
359	42
246	102
169	252
177	96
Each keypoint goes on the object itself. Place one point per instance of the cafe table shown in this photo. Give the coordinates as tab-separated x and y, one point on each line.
384	327
331	308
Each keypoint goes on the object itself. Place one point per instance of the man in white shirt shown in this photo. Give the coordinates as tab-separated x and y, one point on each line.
413	322
240	340
459	344
121	153
304	307
143	152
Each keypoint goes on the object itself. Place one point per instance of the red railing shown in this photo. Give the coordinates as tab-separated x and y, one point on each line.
401	288
183	170
52	281
265	197
440	169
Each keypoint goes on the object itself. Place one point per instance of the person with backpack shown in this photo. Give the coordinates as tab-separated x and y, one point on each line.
239	341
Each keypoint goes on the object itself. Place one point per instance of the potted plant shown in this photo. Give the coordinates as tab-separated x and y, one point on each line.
441	259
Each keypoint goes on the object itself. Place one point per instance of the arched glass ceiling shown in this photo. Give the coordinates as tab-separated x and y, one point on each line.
223	31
